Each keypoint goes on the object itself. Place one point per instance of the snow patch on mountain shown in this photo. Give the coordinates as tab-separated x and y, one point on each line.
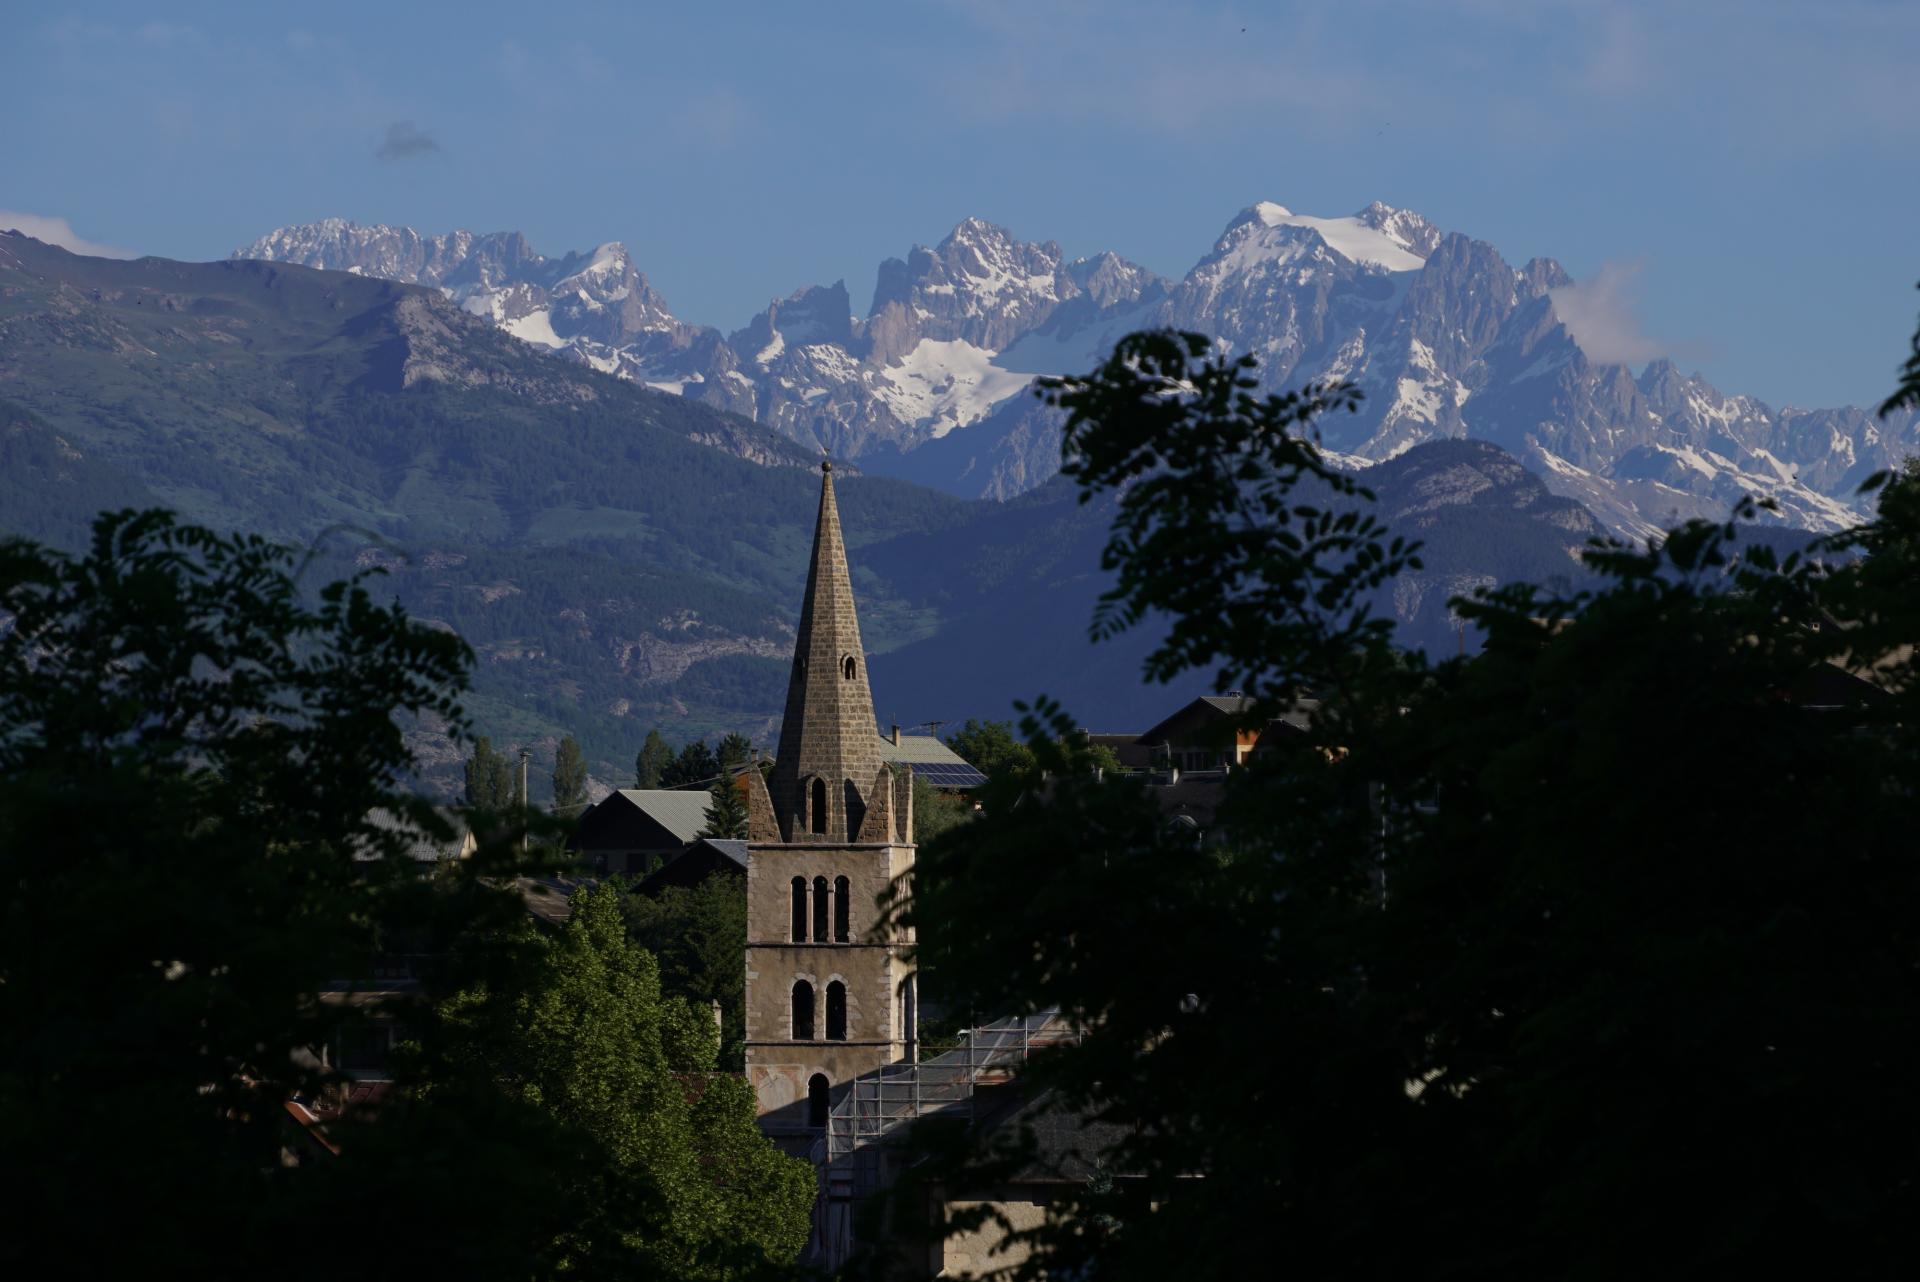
945	385
1349	237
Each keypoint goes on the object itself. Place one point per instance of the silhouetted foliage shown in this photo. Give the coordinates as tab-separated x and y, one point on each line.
204	848
1596	948
1907	395
202	825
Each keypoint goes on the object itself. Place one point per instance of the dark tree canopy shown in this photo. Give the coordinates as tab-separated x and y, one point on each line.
202	824
1597	948
205	839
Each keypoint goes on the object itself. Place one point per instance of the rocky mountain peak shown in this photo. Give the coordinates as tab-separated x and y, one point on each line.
980	285
1403	226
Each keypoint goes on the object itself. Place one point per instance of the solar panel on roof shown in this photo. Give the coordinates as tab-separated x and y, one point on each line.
944	775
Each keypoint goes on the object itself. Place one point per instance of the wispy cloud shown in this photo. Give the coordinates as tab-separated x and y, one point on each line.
404	141
58	231
1603	315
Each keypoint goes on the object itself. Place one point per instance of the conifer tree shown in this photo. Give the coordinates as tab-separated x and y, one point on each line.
733	751
695	764
569	779
490	783
727	813
651	764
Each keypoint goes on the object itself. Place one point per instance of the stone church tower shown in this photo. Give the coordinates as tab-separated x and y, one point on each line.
828	832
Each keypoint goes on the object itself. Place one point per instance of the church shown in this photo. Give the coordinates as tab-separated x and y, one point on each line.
827	998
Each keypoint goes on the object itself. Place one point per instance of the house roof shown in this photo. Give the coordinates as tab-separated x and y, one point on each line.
734	848
1210	709
931	760
420	845
682	812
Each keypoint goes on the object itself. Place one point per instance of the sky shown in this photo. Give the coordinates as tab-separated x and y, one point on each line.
1732	181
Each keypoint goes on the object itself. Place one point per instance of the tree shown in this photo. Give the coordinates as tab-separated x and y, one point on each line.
695	764
727	813
699	934
652	762
569	779
734	750
201	826
1596	947
686	1185
1103	758
934	812
991	747
491	784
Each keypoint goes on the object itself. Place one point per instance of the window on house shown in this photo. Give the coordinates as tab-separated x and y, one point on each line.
817	1101
819	805
802	1011
799	910
820	898
842	892
836	1012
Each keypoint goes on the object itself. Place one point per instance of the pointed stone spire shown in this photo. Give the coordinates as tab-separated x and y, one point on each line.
829	742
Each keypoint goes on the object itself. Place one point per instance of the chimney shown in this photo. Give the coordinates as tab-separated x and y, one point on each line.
896	734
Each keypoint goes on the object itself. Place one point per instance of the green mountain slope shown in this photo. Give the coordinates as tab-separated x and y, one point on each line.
616	557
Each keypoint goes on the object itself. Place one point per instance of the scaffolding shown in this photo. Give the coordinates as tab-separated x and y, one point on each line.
848	1157
897	1094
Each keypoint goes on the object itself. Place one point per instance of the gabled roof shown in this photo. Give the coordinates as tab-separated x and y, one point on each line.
733	848
682	812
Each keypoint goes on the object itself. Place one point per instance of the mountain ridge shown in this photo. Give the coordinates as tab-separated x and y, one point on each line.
1444	336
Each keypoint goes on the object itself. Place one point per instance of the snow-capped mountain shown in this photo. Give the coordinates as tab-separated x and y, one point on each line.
1444	336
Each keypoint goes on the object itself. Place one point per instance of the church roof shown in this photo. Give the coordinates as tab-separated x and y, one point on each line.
828	732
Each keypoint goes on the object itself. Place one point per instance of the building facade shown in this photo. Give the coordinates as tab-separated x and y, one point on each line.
828	996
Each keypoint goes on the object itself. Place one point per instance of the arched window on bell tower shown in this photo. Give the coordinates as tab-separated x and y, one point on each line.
802	1011
842	892
818	819
836	1011
799	910
821	907
817	1101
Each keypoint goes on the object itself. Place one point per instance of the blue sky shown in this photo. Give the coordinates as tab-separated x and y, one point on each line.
1738	173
